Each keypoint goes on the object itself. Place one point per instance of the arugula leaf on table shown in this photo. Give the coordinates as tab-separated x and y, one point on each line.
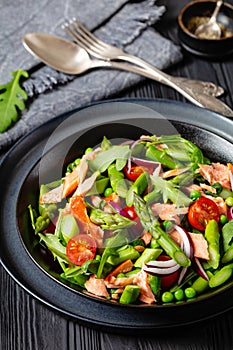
12	97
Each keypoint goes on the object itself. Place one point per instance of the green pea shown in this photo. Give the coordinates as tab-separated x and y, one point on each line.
167	297
190	292
89	149
108	191
223	219
229	201
77	161
167	225
69	168
195	194
179	294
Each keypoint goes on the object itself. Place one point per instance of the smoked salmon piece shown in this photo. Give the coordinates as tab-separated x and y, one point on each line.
169	211
96	286
200	246
146	294
216	172
124	267
79	210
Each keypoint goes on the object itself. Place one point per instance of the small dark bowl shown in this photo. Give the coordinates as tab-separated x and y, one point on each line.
207	48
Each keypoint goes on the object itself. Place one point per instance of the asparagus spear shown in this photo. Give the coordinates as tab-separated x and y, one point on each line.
150	223
110	221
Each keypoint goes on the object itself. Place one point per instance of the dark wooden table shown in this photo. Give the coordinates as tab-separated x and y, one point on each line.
28	324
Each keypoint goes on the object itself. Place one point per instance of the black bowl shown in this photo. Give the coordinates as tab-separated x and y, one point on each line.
207	48
42	156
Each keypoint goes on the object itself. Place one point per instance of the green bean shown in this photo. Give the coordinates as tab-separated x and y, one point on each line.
138	187
99	187
155	284
228	255
149	254
212	236
126	252
130	294
200	284
115	176
132	272
184	179
111	245
227	235
221	276
152	196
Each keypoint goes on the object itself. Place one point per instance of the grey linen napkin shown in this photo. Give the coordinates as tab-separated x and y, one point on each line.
126	24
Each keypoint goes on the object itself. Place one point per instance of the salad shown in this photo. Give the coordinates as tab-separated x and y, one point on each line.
146	221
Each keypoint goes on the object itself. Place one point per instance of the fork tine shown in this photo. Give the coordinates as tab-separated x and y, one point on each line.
82	29
80	40
84	39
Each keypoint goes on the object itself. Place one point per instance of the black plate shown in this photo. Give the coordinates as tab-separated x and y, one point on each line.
22	170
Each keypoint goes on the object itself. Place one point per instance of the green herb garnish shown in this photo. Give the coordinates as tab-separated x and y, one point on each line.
12	97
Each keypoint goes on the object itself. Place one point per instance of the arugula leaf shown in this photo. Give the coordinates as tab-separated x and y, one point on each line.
12	98
170	191
103	159
54	245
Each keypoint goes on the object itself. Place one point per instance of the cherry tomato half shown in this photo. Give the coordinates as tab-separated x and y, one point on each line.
130	212
81	248
134	172
201	211
168	281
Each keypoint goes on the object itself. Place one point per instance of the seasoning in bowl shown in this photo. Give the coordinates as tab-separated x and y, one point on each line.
196	21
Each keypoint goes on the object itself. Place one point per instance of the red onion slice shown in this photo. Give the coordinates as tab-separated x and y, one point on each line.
230	213
159	263
145	162
186	247
199	269
161	271
182	274
186	241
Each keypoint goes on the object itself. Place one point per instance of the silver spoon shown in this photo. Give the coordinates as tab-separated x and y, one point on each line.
38	43
67	57
211	29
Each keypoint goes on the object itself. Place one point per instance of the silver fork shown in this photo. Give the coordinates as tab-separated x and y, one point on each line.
97	48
